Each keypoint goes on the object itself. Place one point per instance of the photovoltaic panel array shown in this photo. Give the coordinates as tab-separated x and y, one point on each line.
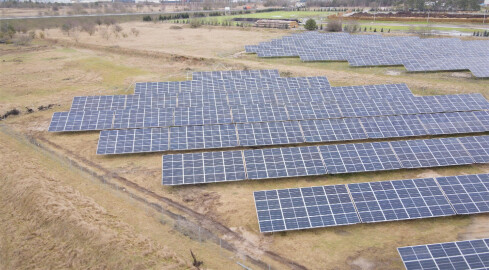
306	92
399	200
235	74
207	115
415	54
325	206
468	254
336	159
300	208
289	132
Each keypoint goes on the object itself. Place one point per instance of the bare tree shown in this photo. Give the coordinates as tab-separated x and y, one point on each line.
105	33
334	26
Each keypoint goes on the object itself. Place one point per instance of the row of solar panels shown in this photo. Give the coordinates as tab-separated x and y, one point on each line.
290	132
468	254
277	96
210	167
325	206
441	47
235	74
363	50
231	85
183	116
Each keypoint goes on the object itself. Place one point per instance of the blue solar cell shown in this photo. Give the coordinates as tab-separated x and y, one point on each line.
477	147
283	162
303	208
363	50
348	158
269	133
470	254
258	113
208	167
399	200
467	193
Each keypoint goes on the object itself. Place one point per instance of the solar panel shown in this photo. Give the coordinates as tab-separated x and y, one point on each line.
348	158
399	200
477	147
431	153
303	208
467	193
324	206
283	162
259	113
81	120
332	130
469	254
359	157
185	116
292	132
133	141
269	133
203	137
136	115
232	74
207	167
363	50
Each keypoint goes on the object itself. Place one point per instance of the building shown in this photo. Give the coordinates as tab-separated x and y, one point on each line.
282	24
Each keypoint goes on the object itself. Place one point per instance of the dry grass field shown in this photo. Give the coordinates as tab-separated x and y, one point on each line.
62	206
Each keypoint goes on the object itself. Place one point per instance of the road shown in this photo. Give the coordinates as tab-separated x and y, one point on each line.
114	14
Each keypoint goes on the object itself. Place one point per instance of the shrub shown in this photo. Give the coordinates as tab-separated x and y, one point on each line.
195	24
147	18
88	27
135	32
67	27
7	32
334	26
175	27
23	40
117	28
352	28
311	25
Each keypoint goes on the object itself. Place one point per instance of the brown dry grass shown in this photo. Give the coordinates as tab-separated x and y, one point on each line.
47	224
93	68
199	42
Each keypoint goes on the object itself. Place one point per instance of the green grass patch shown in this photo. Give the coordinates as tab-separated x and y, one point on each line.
113	75
300	15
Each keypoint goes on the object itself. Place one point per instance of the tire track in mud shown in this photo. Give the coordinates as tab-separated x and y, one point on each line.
205	222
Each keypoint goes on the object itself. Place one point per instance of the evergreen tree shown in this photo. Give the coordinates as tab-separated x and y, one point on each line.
311	25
